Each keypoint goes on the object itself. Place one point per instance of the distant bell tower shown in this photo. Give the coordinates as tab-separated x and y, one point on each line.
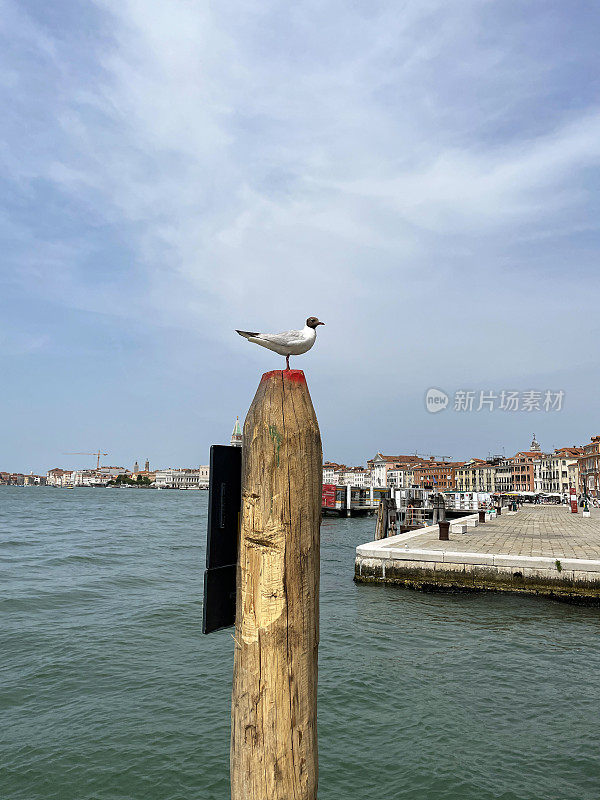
147	466
136	467
236	437
535	447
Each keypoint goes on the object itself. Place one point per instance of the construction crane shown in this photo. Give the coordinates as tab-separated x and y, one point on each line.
98	453
430	455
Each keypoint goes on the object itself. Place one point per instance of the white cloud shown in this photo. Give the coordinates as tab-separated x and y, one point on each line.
266	163
418	174
504	185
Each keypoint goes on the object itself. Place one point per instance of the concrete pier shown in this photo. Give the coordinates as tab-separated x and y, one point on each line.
542	550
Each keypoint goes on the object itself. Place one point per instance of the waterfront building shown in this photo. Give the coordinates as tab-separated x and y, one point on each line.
503	478
464	476
589	468
568	456
573	474
54	476
142	473
532	471
17	479
476	475
407	475
542	474
434	474
87	477
183	478
354	476
151	475
112	472
400	476
331	472
523	465
34	480
346	477
484	476
340	475
164	478
137	471
395	478
66	479
237	437
380	465
551	470
97	477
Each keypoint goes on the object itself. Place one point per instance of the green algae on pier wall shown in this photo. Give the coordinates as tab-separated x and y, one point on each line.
478	578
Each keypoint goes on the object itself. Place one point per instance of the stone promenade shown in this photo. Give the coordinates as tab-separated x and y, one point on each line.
543	550
550	531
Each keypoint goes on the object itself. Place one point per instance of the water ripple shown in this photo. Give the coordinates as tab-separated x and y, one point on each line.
110	692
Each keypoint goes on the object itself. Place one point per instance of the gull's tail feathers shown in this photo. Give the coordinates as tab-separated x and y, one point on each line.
246	334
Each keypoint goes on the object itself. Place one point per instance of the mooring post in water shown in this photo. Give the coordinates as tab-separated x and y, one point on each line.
274	700
380	532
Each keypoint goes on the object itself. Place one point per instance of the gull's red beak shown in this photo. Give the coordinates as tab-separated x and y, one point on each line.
320	323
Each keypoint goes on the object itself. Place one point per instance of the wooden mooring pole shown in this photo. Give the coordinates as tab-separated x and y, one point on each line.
274	701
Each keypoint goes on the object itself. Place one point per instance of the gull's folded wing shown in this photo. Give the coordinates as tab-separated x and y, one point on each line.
281	339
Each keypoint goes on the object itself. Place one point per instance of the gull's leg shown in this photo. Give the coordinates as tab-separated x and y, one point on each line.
287	362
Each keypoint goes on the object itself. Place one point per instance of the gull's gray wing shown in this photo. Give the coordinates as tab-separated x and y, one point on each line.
284	339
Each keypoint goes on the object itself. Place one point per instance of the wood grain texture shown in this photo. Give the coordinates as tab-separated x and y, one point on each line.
274	701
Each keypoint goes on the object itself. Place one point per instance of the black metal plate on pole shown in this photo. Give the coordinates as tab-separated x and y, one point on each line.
225	502
224	505
219	598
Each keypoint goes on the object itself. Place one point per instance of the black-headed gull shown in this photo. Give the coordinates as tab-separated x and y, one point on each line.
288	343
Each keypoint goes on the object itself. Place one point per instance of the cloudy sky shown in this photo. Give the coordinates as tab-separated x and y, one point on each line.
421	175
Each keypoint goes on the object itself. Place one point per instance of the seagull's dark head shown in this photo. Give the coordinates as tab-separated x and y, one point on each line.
312	322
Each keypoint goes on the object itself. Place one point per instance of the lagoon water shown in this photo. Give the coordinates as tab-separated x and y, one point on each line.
109	691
